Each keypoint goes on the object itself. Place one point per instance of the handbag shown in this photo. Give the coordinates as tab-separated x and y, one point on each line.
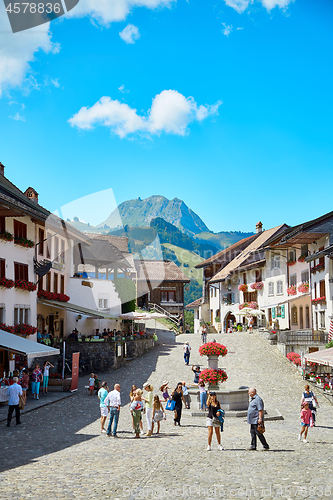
171	405
21	403
261	428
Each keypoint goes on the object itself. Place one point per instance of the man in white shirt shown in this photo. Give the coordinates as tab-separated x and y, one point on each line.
14	392
113	402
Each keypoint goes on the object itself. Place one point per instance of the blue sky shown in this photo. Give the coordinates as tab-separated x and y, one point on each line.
253	143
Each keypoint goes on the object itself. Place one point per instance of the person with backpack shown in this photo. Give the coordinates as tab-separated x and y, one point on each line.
187	352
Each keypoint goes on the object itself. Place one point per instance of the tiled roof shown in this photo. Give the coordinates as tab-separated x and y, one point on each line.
245	255
121	242
228	253
159	270
194	304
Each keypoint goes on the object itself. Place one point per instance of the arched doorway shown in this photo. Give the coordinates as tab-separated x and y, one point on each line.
228	319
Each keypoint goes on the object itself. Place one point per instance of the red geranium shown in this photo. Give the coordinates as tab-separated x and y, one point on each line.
29	286
6	283
44	294
213	377
213	349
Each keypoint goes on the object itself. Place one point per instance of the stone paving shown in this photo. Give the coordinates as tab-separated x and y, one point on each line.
59	453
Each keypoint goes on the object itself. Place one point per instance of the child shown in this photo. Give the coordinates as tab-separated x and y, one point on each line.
158	413
136	409
306	421
91	384
97	383
149	406
203	394
164	389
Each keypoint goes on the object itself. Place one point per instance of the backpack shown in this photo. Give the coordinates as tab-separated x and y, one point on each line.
187	349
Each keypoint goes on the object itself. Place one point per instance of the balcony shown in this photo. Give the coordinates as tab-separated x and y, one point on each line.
302	337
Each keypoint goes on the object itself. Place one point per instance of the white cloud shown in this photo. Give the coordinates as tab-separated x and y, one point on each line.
227	29
130	33
18	50
18	117
170	112
123	90
238	5
241	5
239	28
105	12
271	4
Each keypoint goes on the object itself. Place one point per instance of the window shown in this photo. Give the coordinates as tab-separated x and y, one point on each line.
321	259
20	230
55	283
258	276
2	313
48	246
316	321
275	262
279	288
321	319
169	296
322	292
62	284
40	284
62	242
292	255
2	268
21	315
244	279
301	318
215	290
270	288
103	303
304	276
294	315
293	279
211	292
56	248
307	317
304	249
41	241
250	296
48	282
2	224
315	289
21	271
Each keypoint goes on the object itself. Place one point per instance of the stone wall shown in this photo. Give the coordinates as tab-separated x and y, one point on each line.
107	356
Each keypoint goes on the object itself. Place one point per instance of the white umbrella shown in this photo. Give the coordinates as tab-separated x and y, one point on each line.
132	315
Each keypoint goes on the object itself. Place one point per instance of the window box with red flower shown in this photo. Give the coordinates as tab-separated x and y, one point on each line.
317	268
6	236
28	286
6	283
24	242
22	330
291	263
295	358
252	305
302	258
303	288
44	294
292	290
242	288
319	300
257	286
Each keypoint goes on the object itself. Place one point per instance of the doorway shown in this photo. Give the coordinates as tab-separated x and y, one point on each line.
51	324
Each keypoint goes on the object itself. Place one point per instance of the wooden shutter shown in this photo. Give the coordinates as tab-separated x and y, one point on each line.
283	311
322	292
273	312
2	268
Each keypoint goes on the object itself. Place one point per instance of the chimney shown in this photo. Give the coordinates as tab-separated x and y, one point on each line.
31	194
2	169
259	227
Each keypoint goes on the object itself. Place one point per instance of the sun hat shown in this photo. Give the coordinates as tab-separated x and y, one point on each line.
147	384
186	342
165	382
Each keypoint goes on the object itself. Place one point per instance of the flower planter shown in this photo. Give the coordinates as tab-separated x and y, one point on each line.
55	381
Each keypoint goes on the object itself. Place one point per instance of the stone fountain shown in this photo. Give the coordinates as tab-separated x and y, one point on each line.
230	398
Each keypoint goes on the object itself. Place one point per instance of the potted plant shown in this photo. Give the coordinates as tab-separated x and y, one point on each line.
242	288
304	287
213	377
292	290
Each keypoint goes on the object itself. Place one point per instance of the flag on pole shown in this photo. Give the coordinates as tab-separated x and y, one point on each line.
330	334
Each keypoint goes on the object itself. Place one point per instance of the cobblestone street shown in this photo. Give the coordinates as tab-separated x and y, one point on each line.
59	453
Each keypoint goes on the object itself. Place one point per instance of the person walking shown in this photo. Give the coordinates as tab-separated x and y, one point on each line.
102	393
36	379
113	402
310	397
25	384
306	421
164	389
132	395
204	333
187	352
250	324
255	416
14	392
149	407
186	395
213	421
136	410
177	396
46	374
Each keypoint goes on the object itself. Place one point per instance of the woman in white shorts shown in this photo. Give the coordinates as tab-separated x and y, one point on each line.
102	393
212	420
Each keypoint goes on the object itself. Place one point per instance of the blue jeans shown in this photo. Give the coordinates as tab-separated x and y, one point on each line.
114	414
187	357
35	387
203	400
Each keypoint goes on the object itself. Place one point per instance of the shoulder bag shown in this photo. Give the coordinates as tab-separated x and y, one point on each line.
171	405
261	428
21	403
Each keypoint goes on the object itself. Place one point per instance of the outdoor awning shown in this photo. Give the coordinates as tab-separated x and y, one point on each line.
11	342
293	298
323	357
92	313
327	251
